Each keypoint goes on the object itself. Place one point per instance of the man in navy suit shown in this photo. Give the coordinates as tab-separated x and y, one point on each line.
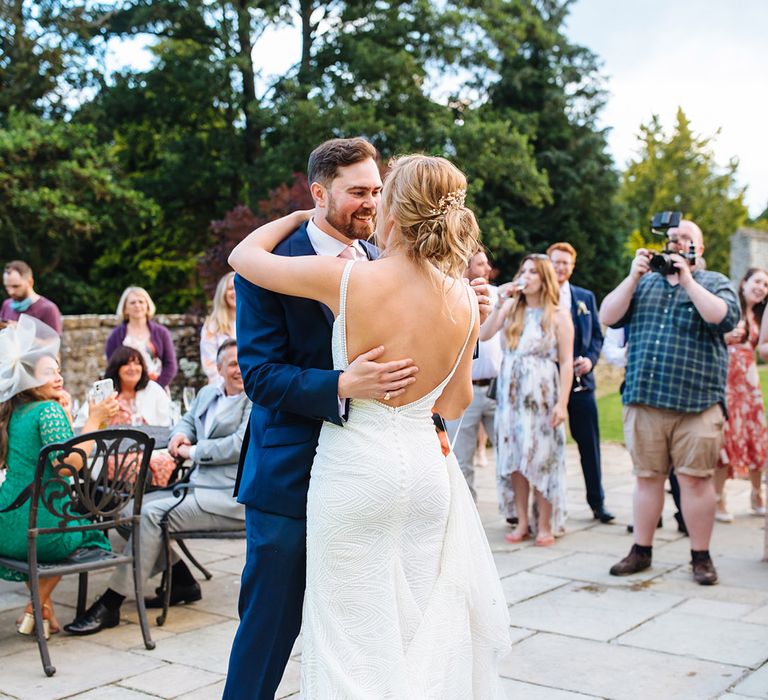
284	350
587	343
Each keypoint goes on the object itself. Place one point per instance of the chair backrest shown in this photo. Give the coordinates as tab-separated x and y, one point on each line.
92	491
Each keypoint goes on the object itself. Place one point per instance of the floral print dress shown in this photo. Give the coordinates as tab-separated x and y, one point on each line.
745	439
528	389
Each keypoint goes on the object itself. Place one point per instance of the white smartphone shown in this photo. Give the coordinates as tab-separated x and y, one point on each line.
101	390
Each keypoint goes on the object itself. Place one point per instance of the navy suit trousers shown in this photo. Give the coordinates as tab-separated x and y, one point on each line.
271	598
582	418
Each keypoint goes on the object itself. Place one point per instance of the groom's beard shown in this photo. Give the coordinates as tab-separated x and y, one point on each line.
357	225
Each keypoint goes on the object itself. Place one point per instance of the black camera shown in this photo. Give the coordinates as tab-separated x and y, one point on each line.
660	224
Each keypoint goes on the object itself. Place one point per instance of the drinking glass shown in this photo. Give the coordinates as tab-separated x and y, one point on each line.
188	396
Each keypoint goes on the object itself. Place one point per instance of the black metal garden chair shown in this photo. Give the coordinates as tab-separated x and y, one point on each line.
113	474
182	491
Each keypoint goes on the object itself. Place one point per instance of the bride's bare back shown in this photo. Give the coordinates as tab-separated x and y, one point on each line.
394	303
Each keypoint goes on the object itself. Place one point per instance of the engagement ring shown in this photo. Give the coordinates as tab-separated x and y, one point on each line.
386	396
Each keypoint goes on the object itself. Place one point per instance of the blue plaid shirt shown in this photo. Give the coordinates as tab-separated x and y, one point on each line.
676	359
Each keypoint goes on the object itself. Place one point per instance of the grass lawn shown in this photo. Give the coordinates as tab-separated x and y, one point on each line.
609	411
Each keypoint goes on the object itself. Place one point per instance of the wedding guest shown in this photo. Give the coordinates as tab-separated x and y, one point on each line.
532	397
139	331
745	437
218	326
210	434
19	283
140	402
30	418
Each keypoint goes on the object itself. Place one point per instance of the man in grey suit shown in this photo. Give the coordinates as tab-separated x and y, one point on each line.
211	435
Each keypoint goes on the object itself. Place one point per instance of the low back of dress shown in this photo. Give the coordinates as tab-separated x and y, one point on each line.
402	598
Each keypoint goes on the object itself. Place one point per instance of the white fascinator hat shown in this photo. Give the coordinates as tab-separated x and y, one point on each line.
21	346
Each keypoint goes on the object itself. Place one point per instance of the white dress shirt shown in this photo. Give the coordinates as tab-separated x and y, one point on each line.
331	247
328	245
489	353
565	296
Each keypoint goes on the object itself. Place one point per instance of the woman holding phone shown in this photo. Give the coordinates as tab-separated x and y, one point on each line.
31	417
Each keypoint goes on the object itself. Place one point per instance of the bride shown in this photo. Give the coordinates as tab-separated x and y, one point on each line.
402	595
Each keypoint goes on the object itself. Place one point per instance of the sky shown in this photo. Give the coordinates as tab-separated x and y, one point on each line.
709	57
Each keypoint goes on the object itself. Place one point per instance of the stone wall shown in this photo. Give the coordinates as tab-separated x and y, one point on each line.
84	338
749	248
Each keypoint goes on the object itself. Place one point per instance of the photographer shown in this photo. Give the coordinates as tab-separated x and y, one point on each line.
674	398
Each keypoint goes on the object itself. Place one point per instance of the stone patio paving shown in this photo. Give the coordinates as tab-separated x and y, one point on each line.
577	632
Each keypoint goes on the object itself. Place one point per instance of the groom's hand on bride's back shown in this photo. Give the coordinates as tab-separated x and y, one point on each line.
365	378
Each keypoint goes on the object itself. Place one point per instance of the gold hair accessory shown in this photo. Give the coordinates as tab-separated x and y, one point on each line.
452	200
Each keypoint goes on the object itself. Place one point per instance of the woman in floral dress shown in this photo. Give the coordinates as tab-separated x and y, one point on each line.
532	397
745	438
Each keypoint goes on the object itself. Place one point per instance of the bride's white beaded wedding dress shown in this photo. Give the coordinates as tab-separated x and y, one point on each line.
403	600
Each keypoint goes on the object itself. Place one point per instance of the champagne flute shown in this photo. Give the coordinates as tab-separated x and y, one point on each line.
579	386
188	396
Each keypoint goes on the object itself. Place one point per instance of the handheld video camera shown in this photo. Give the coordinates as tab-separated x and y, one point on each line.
660	224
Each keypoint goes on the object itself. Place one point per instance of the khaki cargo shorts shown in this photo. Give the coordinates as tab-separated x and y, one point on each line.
658	439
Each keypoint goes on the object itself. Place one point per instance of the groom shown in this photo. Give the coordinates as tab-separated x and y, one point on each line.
284	351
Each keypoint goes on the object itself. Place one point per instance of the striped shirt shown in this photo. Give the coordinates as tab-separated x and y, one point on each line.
677	360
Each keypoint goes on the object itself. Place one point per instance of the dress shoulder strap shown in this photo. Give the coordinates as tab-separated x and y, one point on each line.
470	295
343	288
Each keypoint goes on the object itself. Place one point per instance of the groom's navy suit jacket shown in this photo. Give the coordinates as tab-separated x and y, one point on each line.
284	351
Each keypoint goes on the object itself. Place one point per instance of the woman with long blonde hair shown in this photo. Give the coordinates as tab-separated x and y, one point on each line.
402	598
532	398
219	326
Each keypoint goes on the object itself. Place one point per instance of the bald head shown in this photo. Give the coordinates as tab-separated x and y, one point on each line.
685	234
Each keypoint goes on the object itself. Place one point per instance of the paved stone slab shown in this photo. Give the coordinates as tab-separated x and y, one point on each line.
181	618
112	692
171	680
522	586
210	692
755	685
590	611
728	641
508	563
207	650
230	565
515	690
80	665
291	680
613	671
597	541
715	608
593	568
758	616
518	634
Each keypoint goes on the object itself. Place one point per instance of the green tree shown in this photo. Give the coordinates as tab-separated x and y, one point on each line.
62	206
45	47
679	172
550	89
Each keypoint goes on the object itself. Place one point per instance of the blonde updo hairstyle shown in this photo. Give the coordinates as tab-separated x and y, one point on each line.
424	197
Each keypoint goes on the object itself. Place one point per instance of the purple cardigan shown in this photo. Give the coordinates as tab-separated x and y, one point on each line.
160	338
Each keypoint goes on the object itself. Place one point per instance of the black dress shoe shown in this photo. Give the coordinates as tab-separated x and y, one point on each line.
603	515
179	594
512	521
95	619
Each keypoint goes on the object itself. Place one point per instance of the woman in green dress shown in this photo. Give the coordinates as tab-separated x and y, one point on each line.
31	417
